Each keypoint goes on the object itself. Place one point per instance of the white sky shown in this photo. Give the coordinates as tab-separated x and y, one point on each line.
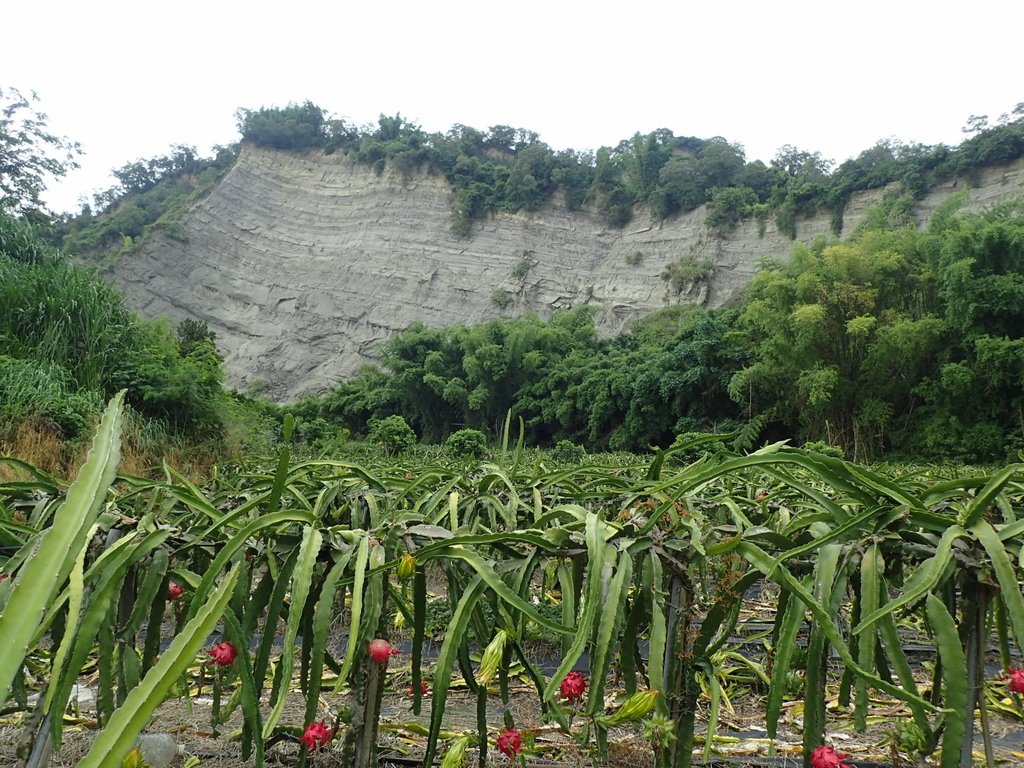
129	79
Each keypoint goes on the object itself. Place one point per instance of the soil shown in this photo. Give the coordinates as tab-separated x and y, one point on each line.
740	740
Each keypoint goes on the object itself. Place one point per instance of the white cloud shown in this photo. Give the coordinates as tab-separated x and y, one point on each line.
128	80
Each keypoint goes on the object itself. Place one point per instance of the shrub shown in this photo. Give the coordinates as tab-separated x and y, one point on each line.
785	219
522	268
501	298
729	205
393	434
567	452
34	391
467	442
296	126
685	272
321	436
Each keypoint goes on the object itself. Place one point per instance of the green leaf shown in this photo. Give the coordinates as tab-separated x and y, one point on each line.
716	705
1009	585
760	560
923	580
976	509
954	680
77	592
495	582
97	613
419	610
608	627
454	639
852	525
893	645
152	585
871	567
45	570
236	542
790	621
302	577
659	631
353	650
248	693
595	567
826	589
117	738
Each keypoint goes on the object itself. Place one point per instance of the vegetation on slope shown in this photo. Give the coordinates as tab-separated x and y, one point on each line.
511	169
68	344
895	340
150	195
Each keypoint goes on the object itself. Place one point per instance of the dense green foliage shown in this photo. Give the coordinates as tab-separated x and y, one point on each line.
510	169
670	375
900	340
467	442
392	433
893	341
68	343
150	194
29	153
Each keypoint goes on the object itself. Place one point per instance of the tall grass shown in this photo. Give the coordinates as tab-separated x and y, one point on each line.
56	314
35	444
146	446
68	343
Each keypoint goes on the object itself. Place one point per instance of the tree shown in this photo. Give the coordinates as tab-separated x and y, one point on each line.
720	162
297	126
29	153
393	434
192	334
975	124
810	166
728	206
841	337
644	161
681	185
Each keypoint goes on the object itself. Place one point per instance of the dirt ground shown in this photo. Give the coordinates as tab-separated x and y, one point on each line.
740	738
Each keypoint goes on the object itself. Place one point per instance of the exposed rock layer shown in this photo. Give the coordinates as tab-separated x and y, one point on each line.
303	264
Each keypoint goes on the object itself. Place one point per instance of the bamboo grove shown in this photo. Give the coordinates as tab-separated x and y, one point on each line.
648	568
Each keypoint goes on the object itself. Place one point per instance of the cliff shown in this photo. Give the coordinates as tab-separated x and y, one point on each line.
303	264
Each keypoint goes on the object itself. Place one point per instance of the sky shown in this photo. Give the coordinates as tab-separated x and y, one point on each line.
128	80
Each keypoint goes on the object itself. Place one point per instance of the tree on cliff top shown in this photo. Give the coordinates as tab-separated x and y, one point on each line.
297	126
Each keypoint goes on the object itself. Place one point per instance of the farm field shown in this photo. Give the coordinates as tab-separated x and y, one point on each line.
263	501
697	607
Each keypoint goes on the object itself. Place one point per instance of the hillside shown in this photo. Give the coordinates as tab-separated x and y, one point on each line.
303	263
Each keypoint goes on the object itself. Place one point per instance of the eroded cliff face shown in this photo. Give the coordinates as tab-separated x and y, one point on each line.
303	265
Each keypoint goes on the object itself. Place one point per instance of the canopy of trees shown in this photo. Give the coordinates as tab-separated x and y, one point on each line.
29	153
898	342
505	168
511	169
149	193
